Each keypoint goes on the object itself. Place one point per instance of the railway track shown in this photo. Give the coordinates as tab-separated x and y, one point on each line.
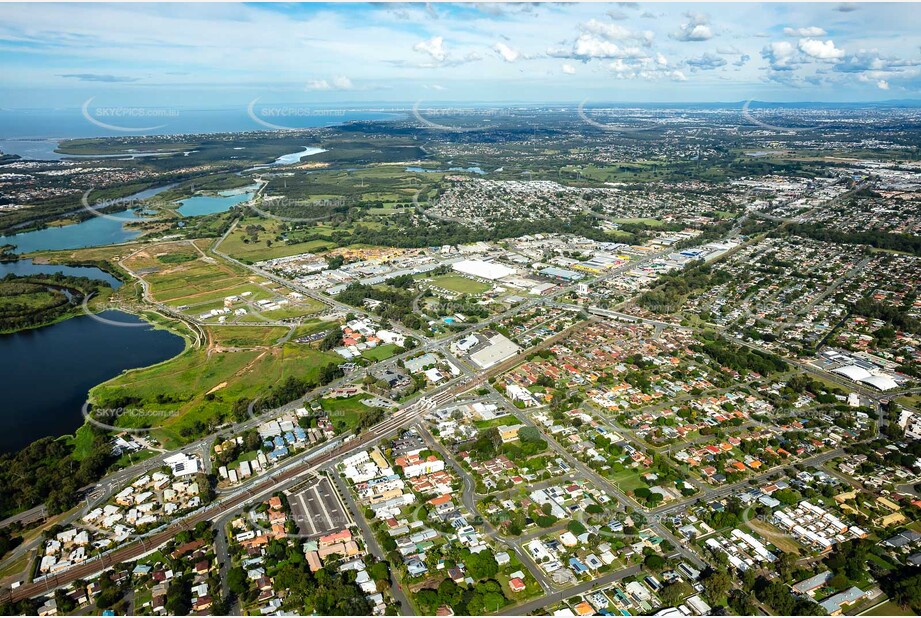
213	511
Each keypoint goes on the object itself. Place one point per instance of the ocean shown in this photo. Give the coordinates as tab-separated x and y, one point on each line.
34	134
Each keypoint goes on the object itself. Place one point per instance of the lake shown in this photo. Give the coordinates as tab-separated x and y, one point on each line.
94	232
295	157
209	204
422	170
27	267
47	372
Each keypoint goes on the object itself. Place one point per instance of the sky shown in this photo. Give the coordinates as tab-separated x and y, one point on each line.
214	55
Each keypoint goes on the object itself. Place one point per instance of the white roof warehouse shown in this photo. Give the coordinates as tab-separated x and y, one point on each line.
484	270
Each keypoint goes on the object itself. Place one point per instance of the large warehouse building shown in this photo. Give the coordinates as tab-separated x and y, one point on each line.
483	270
859	374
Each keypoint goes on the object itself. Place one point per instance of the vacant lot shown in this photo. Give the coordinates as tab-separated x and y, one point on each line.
177	279
254	240
201	385
381	352
775	536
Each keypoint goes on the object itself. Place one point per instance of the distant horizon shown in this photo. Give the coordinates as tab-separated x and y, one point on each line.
467	104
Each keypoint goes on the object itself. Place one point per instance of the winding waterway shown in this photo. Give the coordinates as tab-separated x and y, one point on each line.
48	371
93	232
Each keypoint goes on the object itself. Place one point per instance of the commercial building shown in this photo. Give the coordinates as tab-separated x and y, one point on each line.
499	348
484	270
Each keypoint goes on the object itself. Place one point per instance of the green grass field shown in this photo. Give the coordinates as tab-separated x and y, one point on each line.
381	352
189	282
627	480
198	386
312	326
82	441
344	413
459	284
296	309
889	608
241	244
643	221
246	336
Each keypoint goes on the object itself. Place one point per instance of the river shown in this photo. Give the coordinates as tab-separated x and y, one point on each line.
93	232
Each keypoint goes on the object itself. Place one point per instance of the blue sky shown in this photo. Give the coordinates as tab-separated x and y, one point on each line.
213	55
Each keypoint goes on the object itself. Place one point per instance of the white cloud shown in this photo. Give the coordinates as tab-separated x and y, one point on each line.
568	69
780	54
696	29
508	54
648	69
802	32
707	62
821	50
337	83
615	32
587	47
882	84
434	47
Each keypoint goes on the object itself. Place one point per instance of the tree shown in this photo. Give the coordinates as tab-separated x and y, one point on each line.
654	562
904	587
449	593
839	582
575	527
236	581
178	596
716	585
786	565
64	603
379	571
333	339
220	606
673	594
482	565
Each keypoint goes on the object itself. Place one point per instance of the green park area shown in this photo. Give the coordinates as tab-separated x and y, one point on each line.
196	391
459	284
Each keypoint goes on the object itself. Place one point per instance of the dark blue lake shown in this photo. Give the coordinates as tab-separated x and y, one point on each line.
48	372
